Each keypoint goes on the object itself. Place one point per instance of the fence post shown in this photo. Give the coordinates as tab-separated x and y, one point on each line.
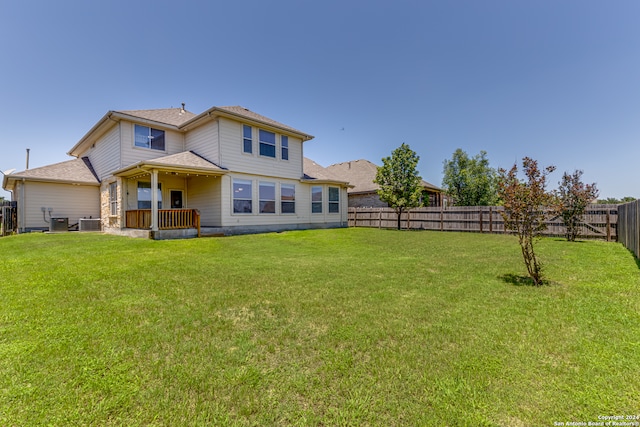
608	226
380	218
480	219
490	219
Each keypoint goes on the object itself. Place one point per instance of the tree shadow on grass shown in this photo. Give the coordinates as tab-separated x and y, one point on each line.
516	280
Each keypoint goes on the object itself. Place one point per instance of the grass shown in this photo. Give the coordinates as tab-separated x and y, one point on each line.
326	327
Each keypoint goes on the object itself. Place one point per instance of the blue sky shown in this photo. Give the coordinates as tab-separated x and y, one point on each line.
558	81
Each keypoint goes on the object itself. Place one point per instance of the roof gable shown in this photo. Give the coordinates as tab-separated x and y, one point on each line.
186	161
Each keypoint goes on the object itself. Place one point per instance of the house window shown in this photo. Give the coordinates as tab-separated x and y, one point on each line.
144	195
247	139
242	195
284	142
316	199
147	137
267	143
287	199
267	194
113	198
334	200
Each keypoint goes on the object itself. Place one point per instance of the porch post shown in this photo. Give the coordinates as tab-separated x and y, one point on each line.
154	200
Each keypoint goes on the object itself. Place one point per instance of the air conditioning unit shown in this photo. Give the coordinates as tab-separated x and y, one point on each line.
89	224
59	224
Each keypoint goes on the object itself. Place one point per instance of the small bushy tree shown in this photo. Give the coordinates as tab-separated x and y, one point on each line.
525	203
470	181
399	183
573	196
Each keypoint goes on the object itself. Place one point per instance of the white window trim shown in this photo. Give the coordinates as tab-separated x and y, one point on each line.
242	138
332	202
288	201
137	147
233	198
260	199
321	201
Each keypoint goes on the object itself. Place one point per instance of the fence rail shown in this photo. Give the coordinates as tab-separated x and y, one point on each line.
599	221
629	226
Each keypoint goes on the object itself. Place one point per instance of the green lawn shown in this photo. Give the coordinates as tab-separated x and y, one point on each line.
324	327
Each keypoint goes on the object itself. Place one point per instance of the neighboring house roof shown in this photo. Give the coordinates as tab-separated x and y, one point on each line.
361	173
76	171
186	162
315	172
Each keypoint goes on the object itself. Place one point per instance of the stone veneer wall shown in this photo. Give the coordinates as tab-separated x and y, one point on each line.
108	220
366	200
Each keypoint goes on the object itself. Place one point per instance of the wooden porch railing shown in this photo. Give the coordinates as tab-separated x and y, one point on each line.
168	219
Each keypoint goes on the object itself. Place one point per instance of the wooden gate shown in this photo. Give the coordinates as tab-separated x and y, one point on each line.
8	218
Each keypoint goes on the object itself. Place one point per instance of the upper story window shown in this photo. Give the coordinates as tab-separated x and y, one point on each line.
284	142
147	137
267	143
334	200
316	199
247	139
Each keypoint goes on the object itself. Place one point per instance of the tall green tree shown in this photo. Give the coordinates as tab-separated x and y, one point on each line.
399	183
573	196
525	205
614	201
470	181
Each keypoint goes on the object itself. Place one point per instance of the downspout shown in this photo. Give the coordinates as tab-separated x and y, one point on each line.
21	226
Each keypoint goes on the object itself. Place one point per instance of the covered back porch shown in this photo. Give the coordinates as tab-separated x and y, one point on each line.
186	187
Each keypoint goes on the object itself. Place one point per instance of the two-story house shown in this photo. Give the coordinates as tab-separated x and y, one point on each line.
170	173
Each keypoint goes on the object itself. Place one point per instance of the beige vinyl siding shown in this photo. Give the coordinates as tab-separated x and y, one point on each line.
303	213
203	140
167	183
174	143
104	154
233	158
204	194
325	216
68	201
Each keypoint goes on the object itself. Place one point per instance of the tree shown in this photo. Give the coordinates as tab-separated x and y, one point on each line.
399	182
573	196
614	201
470	181
525	203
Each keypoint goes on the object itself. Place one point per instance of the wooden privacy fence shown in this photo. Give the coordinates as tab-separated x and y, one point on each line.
8	218
599	221
629	226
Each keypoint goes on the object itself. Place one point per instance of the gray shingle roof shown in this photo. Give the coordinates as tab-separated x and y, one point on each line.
170	116
186	159
73	171
245	112
361	173
312	170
